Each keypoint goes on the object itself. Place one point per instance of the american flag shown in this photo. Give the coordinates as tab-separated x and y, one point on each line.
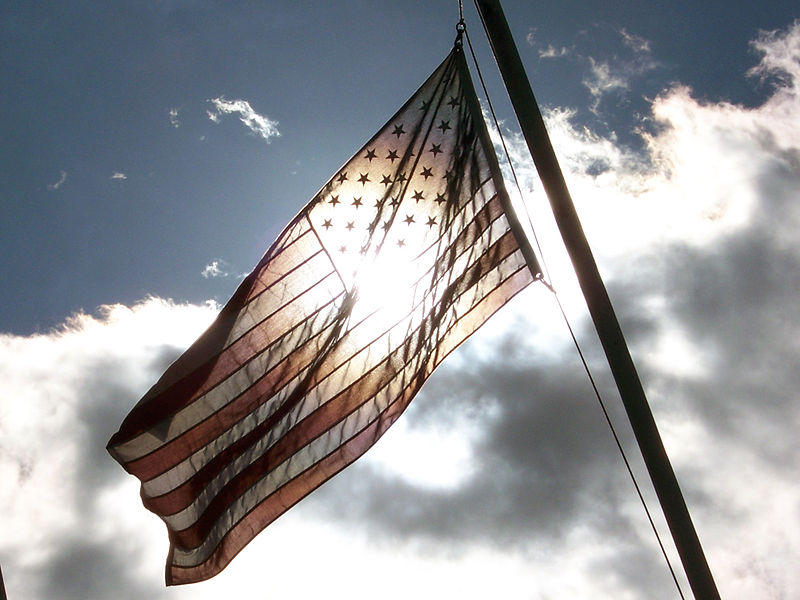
404	253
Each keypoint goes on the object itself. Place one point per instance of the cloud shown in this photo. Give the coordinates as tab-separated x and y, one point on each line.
552	52
780	56
696	236
118	175
549	51
63	393
501	477
61	180
634	42
259	125
603	79
216	268
611	75
615	75
173	117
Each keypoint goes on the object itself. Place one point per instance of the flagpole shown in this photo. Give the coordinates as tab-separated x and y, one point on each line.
598	302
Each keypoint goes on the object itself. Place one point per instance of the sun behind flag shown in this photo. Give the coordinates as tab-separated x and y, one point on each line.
402	255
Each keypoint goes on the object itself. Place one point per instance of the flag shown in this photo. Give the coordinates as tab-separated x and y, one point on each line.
401	256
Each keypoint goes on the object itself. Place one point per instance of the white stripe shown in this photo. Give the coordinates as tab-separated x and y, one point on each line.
266	303
307	274
289	469
358	343
316	397
324	391
241	379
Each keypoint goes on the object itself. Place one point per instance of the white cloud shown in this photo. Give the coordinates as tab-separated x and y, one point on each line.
61	180
260	125
173	117
604	79
553	52
118	175
550	51
216	268
780	57
63	392
697	240
635	42
615	75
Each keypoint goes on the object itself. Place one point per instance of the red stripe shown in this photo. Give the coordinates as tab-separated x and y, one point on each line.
304	483
263	389
316	424
181	497
275	505
282	260
156	463
182	383
225	368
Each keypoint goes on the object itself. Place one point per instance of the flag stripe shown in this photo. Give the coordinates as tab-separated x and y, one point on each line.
229	397
298	245
235	382
147	466
261	513
176	387
271	508
346	412
202	474
183	394
256	403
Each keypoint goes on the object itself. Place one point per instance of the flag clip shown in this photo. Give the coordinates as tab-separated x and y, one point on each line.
461	27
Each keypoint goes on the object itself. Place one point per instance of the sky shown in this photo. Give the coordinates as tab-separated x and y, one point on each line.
153	151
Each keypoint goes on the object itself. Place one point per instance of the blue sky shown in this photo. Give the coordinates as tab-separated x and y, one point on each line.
153	151
88	90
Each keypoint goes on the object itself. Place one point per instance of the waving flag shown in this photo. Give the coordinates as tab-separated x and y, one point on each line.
403	254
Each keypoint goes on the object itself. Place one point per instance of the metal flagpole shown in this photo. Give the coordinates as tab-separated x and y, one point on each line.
602	313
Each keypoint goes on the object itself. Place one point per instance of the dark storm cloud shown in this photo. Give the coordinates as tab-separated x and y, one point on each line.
739	301
544	464
544	458
84	566
105	395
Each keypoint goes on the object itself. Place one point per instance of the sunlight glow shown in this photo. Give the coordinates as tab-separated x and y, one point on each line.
384	283
430	458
